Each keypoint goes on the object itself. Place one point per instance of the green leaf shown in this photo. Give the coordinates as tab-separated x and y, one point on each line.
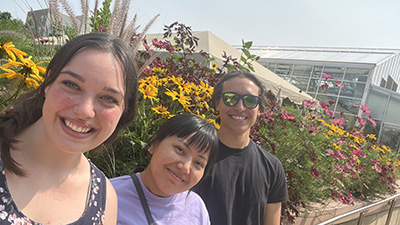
246	52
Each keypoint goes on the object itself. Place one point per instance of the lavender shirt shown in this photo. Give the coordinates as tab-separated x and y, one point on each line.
182	208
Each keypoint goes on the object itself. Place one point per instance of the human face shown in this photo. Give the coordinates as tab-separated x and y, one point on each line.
84	104
174	167
238	119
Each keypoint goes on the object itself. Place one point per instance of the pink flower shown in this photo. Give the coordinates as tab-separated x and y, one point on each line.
326	76
309	103
328	112
337	83
362	122
157	43
371	120
324	86
324	105
314	172
365	109
338	121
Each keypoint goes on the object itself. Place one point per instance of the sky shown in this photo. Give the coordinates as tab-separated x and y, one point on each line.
314	23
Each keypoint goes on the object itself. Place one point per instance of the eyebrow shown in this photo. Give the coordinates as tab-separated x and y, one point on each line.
82	79
187	146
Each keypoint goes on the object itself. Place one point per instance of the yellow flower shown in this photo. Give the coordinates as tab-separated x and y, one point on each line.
172	94
11	51
149	91
151	80
11	74
386	148
31	83
214	66
371	136
162	111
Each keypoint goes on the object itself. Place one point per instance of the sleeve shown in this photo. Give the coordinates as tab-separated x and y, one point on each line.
278	191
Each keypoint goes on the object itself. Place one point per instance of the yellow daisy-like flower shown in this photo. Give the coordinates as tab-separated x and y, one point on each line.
11	74
149	91
214	66
172	94
11	51
216	125
151	80
386	148
162	111
371	136
206	89
31	83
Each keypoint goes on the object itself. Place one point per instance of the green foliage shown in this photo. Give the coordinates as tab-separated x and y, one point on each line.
5	15
101	21
14	30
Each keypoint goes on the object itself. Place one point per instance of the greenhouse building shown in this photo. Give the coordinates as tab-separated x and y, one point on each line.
367	76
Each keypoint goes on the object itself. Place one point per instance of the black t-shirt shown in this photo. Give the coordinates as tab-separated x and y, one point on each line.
241	183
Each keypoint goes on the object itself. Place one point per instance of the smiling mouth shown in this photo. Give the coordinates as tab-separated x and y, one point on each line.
76	128
239	117
176	176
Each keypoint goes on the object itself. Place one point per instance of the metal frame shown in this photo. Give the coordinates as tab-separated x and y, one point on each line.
363	211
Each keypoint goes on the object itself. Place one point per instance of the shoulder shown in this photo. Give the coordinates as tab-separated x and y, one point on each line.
267	156
121	182
110	214
195	200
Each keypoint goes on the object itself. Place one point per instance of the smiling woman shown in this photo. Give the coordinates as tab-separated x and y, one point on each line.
183	150
87	97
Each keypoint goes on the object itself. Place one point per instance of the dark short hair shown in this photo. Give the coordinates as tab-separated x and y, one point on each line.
242	74
28	108
183	125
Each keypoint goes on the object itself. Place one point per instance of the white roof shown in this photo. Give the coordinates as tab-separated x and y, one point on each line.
210	43
333	55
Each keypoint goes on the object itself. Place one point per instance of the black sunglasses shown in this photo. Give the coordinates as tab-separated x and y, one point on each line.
231	99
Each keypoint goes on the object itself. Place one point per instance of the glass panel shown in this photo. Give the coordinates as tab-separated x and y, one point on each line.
302	70
317	72
332	89
346	105
390	136
393	110
352	89
283	69
271	66
354	74
376	103
326	98
335	72
300	82
314	84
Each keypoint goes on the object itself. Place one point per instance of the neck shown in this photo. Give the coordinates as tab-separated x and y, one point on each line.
34	151
234	140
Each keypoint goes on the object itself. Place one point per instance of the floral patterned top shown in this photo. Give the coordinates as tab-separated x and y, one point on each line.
94	213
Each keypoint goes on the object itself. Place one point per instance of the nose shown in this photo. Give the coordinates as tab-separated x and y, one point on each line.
240	105
84	108
184	166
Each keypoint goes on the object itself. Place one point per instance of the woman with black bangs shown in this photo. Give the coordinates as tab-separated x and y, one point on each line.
183	150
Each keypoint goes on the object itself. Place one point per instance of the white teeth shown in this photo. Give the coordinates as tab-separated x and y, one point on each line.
76	128
239	117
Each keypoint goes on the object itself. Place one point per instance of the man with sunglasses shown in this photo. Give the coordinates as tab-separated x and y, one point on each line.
246	185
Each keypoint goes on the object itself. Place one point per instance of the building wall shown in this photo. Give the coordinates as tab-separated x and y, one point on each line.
388	70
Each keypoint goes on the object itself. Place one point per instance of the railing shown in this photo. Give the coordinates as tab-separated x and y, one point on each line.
363	211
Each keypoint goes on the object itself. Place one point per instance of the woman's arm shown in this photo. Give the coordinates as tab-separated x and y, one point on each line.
110	214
